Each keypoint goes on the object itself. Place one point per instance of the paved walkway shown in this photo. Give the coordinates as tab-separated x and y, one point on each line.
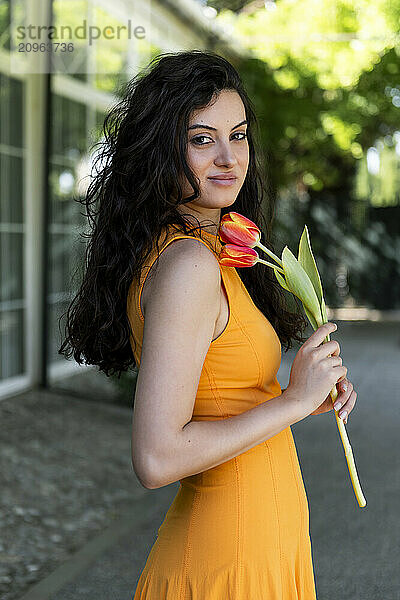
355	551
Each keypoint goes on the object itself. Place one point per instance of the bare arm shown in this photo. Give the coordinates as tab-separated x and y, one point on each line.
180	316
201	445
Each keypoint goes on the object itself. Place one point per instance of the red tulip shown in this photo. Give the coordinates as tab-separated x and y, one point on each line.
233	255
234	228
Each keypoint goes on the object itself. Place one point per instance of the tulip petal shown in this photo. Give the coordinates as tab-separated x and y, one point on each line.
300	284
235	228
241	219
234	233
234	255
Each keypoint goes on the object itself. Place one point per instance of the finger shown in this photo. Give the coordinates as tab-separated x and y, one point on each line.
342	377
343	395
320	334
331	348
345	387
348	407
328	350
326	406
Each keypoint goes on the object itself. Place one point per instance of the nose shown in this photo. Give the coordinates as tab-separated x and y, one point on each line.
225	155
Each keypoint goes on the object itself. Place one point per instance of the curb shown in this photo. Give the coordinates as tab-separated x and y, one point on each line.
136	518
362	314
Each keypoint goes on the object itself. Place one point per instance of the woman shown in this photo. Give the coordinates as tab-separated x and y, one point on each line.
208	410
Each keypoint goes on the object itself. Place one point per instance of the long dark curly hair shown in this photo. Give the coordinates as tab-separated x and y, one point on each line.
135	193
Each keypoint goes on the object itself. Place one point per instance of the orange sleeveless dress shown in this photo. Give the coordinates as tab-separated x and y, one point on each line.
240	530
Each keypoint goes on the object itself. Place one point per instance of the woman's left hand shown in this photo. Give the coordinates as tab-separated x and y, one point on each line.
346	397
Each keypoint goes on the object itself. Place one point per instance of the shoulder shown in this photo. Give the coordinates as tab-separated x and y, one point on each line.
188	253
187	269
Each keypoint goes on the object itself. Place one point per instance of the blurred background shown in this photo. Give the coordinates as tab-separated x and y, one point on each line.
326	87
325	80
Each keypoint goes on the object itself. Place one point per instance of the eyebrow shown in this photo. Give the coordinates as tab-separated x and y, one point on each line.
200	126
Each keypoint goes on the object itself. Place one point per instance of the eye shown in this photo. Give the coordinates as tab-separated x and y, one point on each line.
243	133
196	140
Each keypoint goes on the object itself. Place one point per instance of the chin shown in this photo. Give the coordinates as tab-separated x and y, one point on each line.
221	198
230	201
214	203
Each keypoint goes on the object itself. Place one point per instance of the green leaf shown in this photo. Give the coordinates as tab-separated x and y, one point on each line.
281	280
323	311
310	317
300	284
307	261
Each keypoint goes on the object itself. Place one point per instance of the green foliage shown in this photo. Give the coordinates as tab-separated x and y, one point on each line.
324	78
233	5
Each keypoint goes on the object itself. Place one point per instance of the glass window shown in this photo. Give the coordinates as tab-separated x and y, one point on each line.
12	238
69	140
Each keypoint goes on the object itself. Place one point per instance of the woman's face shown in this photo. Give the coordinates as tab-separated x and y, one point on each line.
217	146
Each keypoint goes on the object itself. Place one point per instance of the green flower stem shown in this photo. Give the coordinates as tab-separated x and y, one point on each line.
265	262
270	253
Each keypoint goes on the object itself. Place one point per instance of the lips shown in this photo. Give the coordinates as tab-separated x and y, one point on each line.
223	180
222	177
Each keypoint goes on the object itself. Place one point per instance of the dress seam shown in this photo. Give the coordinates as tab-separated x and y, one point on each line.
277	511
239	530
188	545
214	390
297	486
259	380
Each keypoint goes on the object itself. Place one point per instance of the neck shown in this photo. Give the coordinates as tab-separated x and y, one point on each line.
209	225
208	219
